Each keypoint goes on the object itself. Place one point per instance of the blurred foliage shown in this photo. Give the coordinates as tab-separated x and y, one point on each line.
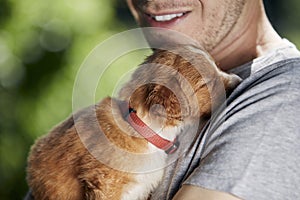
42	44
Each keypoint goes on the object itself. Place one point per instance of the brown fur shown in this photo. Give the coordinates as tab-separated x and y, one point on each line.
61	167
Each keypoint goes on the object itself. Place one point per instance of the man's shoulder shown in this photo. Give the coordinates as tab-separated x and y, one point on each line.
271	86
258	128
278	77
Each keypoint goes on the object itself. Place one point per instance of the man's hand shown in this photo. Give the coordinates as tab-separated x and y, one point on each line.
188	192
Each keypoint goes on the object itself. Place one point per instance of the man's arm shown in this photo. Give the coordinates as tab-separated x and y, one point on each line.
188	192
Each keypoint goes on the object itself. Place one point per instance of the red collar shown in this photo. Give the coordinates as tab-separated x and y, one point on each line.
130	115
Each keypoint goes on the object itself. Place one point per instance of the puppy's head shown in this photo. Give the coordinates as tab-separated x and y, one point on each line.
176	84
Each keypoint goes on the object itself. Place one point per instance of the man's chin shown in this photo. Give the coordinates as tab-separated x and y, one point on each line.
159	37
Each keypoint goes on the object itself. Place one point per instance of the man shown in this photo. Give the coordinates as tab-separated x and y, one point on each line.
251	150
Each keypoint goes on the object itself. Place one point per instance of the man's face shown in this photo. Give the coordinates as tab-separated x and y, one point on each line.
207	21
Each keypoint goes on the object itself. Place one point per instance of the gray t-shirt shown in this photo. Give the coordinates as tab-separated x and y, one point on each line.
252	148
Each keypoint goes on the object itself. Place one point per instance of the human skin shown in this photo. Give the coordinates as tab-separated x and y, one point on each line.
234	32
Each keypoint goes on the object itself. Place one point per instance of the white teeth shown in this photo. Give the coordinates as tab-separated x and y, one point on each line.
163	18
179	14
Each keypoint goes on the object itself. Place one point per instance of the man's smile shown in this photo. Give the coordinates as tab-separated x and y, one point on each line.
164	13
166	17
165	20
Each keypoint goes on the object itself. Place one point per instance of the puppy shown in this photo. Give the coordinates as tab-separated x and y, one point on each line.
102	151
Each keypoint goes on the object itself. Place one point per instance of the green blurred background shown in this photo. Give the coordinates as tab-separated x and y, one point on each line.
42	45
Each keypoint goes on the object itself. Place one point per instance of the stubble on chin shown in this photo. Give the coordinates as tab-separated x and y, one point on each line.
212	34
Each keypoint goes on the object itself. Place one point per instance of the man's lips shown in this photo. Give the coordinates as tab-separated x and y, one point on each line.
163	20
166	17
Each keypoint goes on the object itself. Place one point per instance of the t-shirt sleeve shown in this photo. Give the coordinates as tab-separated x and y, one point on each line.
255	152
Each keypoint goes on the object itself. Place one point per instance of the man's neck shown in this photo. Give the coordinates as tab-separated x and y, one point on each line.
252	36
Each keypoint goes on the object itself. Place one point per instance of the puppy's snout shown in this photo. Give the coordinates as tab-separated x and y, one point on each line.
233	81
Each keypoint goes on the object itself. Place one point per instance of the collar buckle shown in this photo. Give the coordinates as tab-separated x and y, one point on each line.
173	148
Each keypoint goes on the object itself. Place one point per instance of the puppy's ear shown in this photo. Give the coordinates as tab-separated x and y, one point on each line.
162	101
138	98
